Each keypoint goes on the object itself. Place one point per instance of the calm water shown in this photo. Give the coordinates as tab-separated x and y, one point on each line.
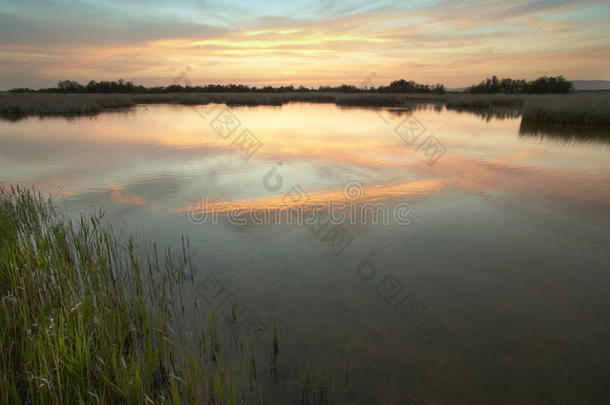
495	291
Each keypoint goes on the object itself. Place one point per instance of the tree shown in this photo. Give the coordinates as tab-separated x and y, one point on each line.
543	84
70	86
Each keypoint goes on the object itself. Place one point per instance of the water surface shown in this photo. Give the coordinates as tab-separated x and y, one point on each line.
491	288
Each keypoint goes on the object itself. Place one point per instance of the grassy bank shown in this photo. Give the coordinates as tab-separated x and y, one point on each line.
591	108
86	319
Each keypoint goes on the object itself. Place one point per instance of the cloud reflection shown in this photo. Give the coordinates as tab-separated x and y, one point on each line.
168	157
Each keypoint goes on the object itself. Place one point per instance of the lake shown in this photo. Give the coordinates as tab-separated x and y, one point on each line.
412	256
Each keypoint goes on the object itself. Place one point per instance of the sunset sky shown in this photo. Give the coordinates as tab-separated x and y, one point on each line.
301	42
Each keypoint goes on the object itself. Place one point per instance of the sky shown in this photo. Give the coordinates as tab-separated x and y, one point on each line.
311	43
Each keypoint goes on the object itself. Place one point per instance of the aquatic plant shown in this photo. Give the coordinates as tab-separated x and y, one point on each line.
87	319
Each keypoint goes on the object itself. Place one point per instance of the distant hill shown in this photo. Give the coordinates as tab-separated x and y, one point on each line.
591	84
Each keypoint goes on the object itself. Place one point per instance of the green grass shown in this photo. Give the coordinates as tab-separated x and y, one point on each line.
86	319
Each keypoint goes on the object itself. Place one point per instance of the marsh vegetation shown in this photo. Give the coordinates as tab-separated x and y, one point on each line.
590	108
87	319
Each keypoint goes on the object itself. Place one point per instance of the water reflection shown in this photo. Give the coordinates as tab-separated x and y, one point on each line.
511	250
67	117
489	113
568	133
397	111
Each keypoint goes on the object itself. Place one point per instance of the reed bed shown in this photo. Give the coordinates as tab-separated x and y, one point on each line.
591	108
484	100
23	104
578	108
377	100
86	319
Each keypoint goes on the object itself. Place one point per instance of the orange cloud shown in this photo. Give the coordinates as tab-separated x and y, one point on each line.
456	45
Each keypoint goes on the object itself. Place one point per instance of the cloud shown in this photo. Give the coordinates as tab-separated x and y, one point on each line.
73	30
333	41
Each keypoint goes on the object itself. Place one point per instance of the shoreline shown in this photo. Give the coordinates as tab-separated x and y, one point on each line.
587	108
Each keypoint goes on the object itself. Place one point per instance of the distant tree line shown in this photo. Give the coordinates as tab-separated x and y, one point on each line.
121	86
543	84
403	86
397	86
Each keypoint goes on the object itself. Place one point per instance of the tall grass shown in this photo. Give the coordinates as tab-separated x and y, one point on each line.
483	100
379	100
60	104
87	320
580	108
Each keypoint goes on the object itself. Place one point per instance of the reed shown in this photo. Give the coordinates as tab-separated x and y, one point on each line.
88	320
367	100
60	104
483	100
591	108
579	108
